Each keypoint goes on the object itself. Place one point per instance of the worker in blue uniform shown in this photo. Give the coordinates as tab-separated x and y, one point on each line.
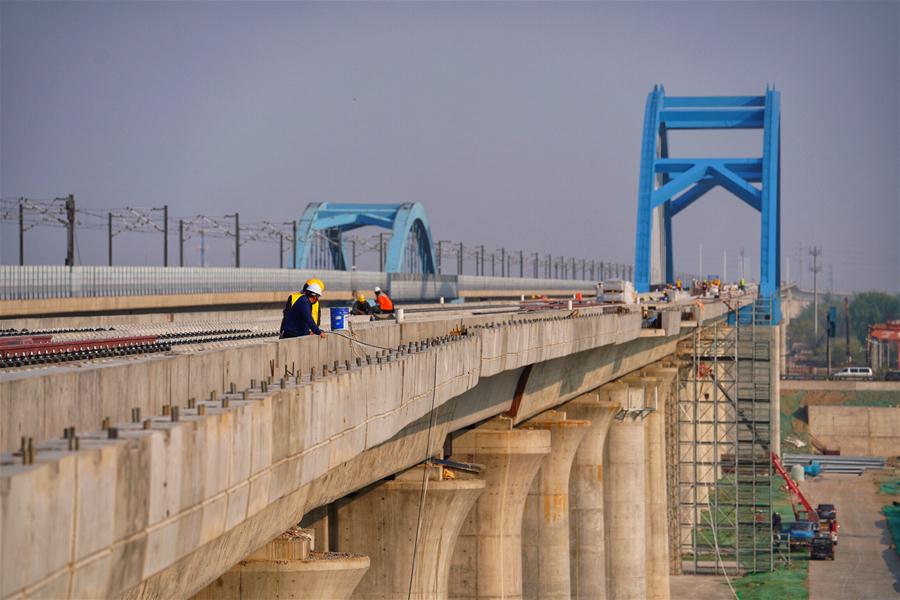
298	318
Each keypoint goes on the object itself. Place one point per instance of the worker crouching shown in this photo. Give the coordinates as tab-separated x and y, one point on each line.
298	320
383	303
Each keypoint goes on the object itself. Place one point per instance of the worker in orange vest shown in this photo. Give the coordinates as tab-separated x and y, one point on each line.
383	301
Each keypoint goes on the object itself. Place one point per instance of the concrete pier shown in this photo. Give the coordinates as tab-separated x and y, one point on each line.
587	530
381	521
285	568
545	530
624	496
487	561
657	492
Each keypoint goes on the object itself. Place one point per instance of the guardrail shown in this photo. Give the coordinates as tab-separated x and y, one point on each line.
41	282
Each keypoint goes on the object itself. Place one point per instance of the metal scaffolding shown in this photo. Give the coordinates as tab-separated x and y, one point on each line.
723	426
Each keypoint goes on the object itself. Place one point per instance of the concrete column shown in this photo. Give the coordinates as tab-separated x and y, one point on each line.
657	491
487	561
381	522
625	501
545	531
285	568
588	537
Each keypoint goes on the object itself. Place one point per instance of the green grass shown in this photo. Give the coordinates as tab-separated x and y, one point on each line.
891	486
787	581
892	513
784	583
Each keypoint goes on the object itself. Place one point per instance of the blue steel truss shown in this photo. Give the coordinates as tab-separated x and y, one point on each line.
675	183
407	223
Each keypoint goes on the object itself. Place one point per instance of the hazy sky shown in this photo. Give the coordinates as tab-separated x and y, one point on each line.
516	125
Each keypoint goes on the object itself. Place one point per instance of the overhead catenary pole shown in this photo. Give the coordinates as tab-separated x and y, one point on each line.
21	232
294	246
280	249
502	262
70	231
180	243
109	237
459	270
165	235
381	252
521	264
237	240
537	261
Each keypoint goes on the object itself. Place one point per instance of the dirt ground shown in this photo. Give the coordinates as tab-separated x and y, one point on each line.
698	587
865	565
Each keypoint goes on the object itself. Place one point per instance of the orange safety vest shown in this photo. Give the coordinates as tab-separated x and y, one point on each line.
384	303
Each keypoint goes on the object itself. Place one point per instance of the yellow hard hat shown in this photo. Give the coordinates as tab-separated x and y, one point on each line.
319	282
361	298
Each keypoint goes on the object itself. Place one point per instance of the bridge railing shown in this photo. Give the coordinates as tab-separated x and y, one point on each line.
42	282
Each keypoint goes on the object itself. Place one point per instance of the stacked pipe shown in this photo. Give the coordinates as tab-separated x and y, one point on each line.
852	465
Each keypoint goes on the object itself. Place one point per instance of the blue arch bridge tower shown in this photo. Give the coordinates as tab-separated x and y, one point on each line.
410	248
669	185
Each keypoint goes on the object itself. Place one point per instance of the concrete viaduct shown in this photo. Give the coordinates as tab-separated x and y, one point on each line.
206	462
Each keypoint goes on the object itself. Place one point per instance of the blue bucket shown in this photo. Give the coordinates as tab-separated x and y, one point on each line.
339	318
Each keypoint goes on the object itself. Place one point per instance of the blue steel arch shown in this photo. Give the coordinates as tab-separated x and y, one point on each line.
405	221
670	185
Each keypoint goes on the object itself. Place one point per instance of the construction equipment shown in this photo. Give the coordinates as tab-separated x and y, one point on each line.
795	493
823	519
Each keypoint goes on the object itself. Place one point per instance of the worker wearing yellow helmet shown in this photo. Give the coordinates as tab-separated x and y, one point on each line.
298	313
361	307
315	307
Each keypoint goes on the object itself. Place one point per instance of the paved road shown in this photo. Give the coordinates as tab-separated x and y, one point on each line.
865	565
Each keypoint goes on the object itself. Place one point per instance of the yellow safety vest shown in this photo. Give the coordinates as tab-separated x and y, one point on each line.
315	307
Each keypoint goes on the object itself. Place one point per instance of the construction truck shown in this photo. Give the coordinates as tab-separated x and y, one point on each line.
809	524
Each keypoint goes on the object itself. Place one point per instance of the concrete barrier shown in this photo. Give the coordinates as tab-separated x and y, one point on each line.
162	511
857	430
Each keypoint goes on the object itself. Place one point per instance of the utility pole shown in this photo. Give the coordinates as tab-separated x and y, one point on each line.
237	241
294	245
280	249
21	232
847	329
460	269
70	231
702	276
502	262
165	235
180	243
537	261
109	236
521	264
815	252
493	265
